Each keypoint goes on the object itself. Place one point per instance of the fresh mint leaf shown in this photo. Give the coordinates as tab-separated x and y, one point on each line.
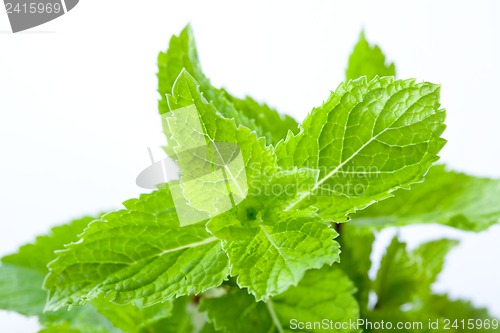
446	197
403	288
22	273
259	159
181	319
367	60
21	290
444	314
259	247
295	242
263	203
280	251
64	328
137	255
238	312
433	253
274	125
368	140
21	280
325	293
133	319
423	204
83	319
183	55
397	278
356	244
285	245
208	328
402	278
269	249
36	255
443	308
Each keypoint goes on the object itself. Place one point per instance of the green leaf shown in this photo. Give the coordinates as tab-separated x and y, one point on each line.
238	312
208	328
103	316
212	177
368	140
325	293
139	255
367	60
180	321
443	308
21	290
68	284
22	273
356	244
274	125
21	279
405	276
263	203
259	160
280	251
63	328
83	319
431	255
403	288
36	255
269	249
397	278
182	54
437	314
133	319
446	197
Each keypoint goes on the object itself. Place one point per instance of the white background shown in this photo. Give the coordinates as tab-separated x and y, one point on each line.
78	99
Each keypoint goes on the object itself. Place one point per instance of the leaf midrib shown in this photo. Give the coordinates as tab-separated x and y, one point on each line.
341	165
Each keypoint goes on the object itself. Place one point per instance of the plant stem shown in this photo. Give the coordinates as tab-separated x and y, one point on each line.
275	318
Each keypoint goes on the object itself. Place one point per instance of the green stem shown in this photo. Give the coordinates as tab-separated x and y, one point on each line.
275	318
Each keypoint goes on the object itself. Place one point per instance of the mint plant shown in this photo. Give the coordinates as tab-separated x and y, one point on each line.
360	162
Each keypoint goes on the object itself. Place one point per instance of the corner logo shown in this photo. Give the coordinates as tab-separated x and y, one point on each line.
26	14
205	178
